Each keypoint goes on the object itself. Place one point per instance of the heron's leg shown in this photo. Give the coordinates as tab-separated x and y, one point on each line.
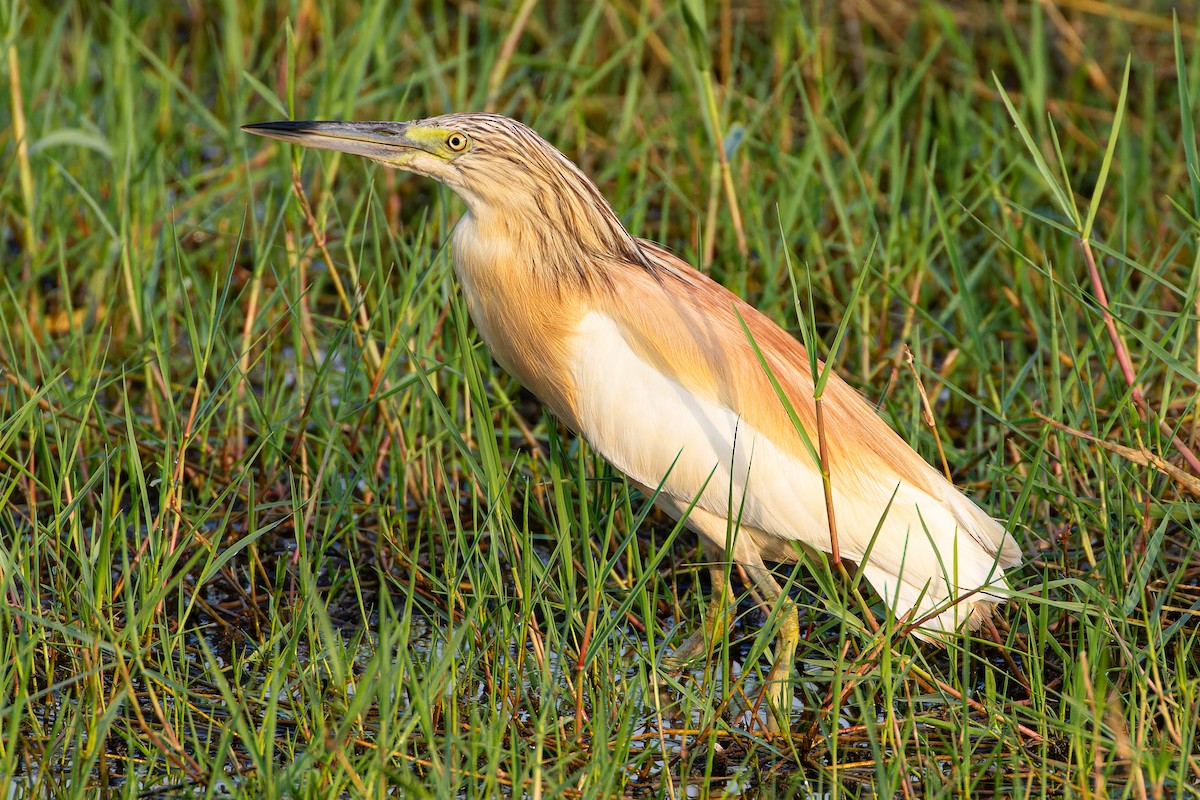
745	553
779	682
719	614
712	530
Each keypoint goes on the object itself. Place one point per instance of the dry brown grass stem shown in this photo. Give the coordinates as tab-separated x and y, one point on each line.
927	413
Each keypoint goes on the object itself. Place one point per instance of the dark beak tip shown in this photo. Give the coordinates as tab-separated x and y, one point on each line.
259	128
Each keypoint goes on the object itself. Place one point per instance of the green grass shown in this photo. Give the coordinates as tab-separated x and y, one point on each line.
273	524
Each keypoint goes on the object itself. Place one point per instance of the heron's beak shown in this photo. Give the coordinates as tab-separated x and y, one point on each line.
386	142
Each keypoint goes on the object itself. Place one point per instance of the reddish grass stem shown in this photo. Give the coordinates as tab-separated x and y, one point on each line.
1123	359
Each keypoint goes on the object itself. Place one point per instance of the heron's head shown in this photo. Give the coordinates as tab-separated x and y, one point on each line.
493	162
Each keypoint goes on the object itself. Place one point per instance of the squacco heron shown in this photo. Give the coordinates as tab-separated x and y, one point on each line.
655	364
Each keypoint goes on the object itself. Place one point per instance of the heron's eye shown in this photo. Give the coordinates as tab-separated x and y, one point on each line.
456	142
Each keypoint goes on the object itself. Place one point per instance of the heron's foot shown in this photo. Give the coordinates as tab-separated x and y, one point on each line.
717	621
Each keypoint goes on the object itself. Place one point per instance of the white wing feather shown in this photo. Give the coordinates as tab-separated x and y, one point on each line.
656	431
